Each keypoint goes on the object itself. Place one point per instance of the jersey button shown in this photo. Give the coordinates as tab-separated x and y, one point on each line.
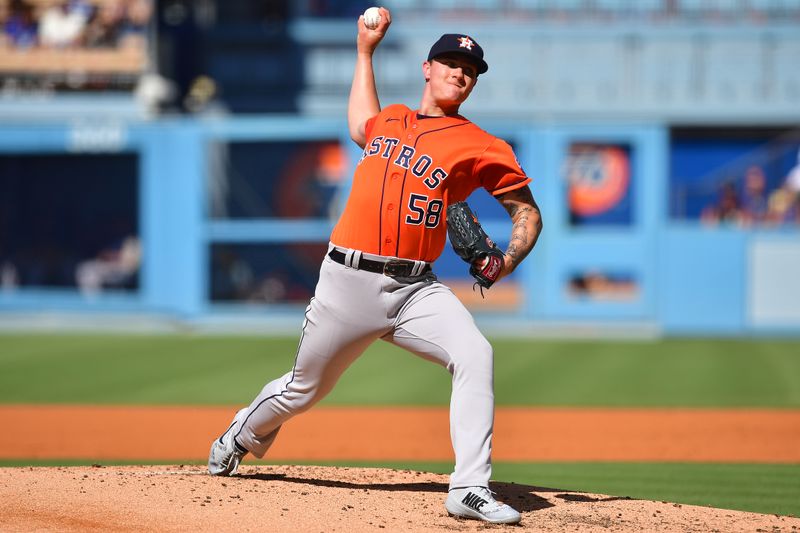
390	207
395	176
388	240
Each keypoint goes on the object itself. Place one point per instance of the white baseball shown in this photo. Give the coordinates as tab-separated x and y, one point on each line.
372	16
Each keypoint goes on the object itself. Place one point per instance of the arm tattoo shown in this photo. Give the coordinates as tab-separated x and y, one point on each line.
527	223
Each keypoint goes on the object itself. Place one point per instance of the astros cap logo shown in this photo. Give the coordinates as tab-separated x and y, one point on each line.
466	42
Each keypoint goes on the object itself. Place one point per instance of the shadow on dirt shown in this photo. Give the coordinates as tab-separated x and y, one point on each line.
521	497
590	499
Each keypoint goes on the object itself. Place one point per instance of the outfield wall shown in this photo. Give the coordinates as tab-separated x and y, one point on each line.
642	268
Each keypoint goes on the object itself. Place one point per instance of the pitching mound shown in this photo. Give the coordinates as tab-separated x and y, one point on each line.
320	499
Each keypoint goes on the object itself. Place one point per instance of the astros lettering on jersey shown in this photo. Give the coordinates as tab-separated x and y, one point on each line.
411	169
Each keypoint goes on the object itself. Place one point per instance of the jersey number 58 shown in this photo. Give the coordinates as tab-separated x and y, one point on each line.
423	210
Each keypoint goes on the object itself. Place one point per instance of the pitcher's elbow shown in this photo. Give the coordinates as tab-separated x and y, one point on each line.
359	139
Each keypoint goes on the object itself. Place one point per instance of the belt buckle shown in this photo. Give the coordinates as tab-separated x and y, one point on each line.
397	267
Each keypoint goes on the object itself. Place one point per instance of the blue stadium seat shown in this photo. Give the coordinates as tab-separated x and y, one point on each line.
464	5
624	7
701	6
774	5
405	4
552	5
787	75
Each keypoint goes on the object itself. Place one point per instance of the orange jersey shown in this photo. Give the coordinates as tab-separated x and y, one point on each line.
412	168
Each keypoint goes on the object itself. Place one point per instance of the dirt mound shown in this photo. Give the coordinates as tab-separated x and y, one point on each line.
323	499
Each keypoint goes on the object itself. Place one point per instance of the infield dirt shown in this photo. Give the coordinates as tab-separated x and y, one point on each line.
352	500
319	499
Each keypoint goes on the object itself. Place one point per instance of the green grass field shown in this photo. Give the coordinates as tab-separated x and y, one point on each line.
219	370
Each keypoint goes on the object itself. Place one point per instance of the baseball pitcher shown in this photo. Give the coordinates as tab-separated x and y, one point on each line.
376	281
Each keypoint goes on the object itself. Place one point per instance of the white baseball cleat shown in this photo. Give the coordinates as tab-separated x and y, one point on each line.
226	454
478	503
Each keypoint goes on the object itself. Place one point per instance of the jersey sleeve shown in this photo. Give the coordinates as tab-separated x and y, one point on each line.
499	170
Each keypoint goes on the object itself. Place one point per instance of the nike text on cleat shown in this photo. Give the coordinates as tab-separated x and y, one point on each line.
225	454
478	503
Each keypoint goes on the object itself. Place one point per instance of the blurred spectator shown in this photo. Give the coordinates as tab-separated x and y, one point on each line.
9	277
727	210
792	181
231	275
63	22
104	26
784	207
113	267
75	23
200	95
757	206
270	289
597	285
784	202
136	20
20	27
754	200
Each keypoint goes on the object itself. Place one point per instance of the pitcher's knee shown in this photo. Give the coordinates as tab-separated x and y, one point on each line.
296	401
304	402
476	358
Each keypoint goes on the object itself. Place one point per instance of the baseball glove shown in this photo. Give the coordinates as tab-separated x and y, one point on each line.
472	244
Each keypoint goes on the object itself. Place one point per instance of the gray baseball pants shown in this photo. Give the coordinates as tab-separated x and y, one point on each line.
352	308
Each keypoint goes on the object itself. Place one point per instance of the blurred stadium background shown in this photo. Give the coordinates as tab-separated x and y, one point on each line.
176	165
181	162
166	161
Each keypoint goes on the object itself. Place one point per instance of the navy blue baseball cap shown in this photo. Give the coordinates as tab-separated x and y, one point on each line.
458	43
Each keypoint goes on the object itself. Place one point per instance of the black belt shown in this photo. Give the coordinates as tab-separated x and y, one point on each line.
393	268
